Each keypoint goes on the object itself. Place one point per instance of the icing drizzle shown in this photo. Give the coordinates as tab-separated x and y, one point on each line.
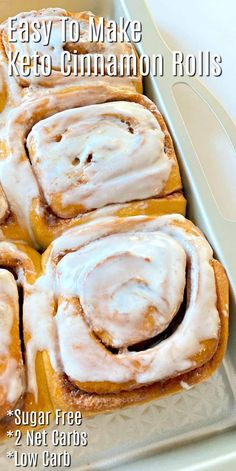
11	364
97	155
135	268
91	170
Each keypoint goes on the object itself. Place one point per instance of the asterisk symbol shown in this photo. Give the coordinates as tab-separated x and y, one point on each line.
10	454
10	413
10	434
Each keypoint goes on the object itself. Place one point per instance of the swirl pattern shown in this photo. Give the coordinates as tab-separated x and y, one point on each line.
112	284
108	153
126	304
69	159
38	81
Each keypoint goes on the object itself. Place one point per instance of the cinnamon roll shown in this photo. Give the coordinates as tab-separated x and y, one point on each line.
20	266
137	307
71	154
53	39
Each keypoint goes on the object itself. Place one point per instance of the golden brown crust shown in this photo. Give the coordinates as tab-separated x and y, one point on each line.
56	80
57	390
66	396
20	258
47	225
15	91
44	223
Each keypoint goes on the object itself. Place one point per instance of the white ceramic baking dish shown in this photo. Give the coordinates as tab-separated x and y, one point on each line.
194	430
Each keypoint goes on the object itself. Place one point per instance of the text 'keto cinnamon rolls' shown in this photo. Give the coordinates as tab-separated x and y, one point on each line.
138	308
73	153
20	267
40	53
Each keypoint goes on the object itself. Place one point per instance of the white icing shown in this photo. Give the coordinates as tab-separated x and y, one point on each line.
8	308
185	385
85	249
226	311
56	47
146	169
12	377
17	181
12	381
42	327
119	307
124	165
11	91
20	187
3	206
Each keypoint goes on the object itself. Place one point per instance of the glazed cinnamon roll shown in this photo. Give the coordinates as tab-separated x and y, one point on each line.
73	153
139	308
20	266
54	39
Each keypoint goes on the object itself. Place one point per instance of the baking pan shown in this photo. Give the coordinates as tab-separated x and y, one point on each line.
195	429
